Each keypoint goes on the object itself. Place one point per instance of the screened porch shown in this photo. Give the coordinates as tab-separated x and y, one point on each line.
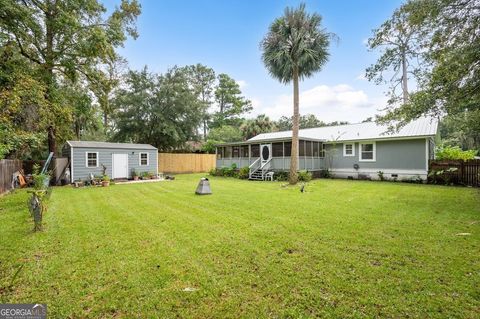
278	154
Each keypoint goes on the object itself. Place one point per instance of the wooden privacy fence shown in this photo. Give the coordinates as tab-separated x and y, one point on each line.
455	172
185	163
7	168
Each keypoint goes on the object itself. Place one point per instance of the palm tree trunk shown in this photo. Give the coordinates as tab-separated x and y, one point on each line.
293	179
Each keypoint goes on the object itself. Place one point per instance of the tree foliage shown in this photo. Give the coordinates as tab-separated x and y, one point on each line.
231	104
258	125
306	121
64	40
449	82
202	80
454	153
157	109
400	46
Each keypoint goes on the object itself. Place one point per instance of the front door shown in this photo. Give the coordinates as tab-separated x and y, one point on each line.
120	166
265	153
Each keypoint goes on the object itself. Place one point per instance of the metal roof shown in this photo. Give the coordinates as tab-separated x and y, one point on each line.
93	144
360	131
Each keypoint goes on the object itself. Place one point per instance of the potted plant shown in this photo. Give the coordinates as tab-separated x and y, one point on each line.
105	181
144	175
135	175
151	175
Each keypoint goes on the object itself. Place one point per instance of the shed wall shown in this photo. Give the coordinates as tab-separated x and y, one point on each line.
81	171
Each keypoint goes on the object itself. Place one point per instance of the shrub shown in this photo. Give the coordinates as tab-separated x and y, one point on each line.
325	173
281	176
380	175
244	173
454	153
40	181
213	172
304	176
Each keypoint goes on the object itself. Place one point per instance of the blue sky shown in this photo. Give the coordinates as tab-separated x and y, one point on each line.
225	35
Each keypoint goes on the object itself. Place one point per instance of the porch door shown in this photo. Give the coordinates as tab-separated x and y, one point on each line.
120	166
265	153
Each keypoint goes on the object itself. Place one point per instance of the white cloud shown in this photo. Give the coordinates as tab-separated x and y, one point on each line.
242	83
329	103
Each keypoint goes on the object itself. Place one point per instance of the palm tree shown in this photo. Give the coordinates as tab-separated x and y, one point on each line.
295	47
258	125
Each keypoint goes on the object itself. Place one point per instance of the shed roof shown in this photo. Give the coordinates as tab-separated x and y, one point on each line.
361	131
93	144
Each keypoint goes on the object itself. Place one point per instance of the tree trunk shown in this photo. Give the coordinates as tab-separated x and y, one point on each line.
205	130
293	179
404	78
48	65
105	121
52	142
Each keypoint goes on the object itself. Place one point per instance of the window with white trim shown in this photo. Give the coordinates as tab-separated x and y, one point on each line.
143	159
91	159
348	149
367	152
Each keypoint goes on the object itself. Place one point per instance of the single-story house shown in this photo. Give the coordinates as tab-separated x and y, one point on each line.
347	151
120	159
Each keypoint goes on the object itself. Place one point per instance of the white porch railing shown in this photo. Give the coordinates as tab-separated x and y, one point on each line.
254	167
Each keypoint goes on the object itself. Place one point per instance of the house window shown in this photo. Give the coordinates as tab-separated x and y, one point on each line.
368	152
91	159
348	149
277	149
143	159
255	150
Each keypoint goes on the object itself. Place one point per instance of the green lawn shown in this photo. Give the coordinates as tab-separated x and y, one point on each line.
252	249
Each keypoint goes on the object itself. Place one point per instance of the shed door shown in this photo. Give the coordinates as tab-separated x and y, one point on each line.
120	166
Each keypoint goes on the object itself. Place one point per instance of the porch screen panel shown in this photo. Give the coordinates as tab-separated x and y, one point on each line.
255	150
301	148
220	152
308	148
316	149
228	152
277	149
236	152
288	149
244	151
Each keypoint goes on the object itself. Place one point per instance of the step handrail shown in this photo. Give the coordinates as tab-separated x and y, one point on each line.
251	168
254	163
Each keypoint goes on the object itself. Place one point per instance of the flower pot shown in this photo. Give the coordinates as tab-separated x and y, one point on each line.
105	183
135	178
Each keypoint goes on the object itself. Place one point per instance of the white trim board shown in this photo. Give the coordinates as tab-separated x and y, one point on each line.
384	170
374	155
86	159
140	158
345	149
